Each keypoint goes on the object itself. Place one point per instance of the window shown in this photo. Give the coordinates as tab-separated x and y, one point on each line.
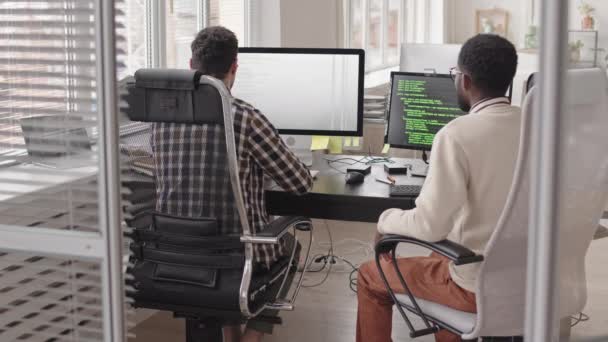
159	34
230	14
181	27
381	26
136	34
393	34
376	26
374	30
357	22
47	67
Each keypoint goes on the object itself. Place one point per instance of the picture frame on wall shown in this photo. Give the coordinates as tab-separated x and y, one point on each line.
495	20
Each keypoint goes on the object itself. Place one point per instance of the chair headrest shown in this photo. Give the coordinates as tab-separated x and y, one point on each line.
167	79
171	96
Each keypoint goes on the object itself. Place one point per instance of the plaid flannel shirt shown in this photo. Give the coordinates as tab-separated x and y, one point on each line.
192	179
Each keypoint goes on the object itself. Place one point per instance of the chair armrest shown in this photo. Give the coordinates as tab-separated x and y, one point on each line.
459	254
277	228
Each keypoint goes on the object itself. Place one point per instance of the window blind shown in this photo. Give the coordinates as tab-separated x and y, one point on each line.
52	247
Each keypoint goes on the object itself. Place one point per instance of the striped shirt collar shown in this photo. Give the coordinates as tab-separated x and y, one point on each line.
491	102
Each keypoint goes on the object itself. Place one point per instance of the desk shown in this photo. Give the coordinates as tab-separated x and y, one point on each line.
332	199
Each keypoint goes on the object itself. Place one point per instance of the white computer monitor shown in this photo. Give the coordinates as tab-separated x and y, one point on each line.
304	91
429	58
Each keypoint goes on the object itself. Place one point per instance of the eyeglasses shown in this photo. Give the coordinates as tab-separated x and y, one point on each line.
454	72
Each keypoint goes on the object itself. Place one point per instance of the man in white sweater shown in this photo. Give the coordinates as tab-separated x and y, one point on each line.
470	173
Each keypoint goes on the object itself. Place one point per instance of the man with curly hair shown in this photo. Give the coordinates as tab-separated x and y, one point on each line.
469	178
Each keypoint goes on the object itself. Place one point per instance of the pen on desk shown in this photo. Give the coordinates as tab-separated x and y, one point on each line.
391	179
383	181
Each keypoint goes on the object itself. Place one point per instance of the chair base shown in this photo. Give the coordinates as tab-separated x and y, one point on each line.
209	330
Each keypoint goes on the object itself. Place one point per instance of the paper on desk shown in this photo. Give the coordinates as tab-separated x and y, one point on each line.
319	143
335	145
386	148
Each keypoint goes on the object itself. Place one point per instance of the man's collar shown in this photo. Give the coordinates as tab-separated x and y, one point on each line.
489	102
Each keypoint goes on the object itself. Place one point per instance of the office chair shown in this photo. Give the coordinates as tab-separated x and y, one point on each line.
501	284
531	82
183	264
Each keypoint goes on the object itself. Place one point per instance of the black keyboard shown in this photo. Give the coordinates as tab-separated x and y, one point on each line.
405	190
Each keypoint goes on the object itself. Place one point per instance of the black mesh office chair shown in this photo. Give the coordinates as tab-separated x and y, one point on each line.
183	264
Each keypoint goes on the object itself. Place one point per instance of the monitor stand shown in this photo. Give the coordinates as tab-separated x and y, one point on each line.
421	171
305	156
300	145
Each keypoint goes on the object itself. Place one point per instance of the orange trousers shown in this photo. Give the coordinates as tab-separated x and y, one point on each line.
427	277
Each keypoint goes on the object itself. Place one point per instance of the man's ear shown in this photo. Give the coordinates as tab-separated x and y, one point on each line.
234	67
467	82
191	65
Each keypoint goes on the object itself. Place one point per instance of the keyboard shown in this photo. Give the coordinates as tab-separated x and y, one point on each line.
405	190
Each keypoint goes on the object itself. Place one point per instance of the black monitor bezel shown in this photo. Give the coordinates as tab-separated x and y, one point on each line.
390	103
320	51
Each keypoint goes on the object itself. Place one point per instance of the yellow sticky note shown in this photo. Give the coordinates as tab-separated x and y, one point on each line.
356	142
385	149
335	145
319	143
348	142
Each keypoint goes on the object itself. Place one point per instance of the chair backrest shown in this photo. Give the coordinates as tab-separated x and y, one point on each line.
501	288
195	153
531	82
193	131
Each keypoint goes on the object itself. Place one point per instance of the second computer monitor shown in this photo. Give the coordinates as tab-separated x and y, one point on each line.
420	105
304	91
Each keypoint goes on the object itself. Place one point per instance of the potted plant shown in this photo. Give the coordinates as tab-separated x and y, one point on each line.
575	51
586	11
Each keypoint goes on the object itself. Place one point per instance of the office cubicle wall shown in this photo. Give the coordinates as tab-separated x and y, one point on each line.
60	229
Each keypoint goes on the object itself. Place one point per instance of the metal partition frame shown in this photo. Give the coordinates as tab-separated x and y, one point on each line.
109	173
542	323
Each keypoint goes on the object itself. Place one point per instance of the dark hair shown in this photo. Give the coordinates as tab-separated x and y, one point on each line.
491	61
214	50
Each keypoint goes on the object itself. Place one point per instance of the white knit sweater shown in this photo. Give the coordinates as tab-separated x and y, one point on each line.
470	174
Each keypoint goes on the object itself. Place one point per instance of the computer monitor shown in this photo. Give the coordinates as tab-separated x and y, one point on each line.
304	91
420	105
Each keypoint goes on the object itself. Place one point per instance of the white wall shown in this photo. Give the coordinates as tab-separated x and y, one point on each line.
461	16
311	23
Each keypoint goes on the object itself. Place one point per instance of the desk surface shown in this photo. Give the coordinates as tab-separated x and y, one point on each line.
331	198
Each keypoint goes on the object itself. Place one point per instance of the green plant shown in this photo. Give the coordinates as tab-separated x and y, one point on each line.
585	9
577	45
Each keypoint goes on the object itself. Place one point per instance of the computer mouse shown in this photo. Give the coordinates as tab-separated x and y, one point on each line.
354	178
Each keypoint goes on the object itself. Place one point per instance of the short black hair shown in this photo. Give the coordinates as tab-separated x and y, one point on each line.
491	61
214	50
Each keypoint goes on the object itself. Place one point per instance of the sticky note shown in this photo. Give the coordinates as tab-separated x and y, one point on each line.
386	148
348	141
356	142
335	145
319	143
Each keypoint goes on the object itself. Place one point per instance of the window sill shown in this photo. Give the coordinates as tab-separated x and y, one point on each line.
376	77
